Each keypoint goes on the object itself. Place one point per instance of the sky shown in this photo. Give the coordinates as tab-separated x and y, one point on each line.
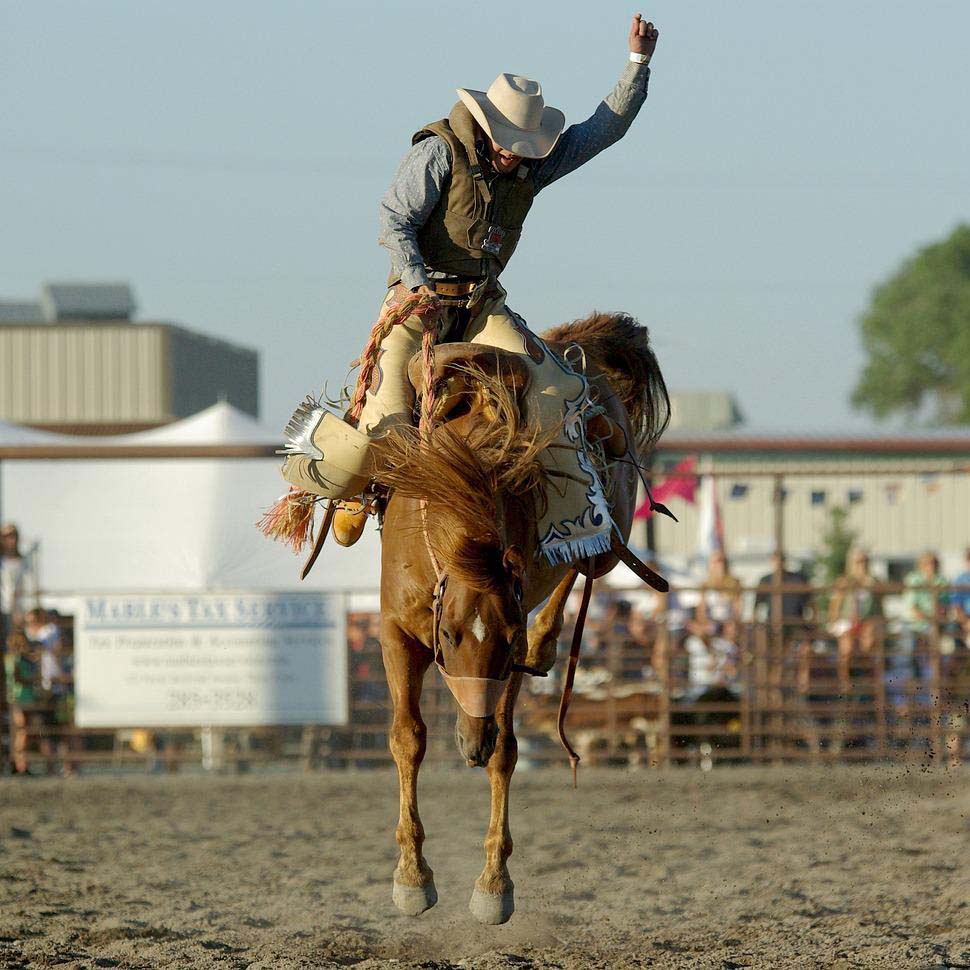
227	159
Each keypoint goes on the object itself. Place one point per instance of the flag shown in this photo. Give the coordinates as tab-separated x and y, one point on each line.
710	530
680	483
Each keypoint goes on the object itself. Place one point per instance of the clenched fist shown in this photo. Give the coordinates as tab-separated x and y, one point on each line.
643	36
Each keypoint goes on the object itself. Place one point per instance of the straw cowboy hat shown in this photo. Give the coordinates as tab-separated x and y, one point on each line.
514	115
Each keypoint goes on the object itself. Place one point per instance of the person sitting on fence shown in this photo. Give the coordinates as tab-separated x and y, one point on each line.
855	613
924	606
712	646
712	661
720	599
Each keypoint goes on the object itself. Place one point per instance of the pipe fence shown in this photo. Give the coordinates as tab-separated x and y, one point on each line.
650	692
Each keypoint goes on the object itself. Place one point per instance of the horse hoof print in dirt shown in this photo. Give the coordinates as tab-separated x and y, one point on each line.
462	561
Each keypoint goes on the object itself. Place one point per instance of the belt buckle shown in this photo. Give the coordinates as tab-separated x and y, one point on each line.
480	291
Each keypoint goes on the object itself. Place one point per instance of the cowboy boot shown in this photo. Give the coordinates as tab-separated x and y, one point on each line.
348	522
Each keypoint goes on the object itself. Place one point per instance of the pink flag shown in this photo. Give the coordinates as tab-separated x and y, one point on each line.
679	483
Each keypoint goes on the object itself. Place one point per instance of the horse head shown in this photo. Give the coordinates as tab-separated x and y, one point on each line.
479	636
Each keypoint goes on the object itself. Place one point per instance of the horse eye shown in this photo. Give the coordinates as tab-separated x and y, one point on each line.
517	591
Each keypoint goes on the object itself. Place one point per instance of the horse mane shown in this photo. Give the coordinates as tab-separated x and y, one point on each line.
462	471
620	346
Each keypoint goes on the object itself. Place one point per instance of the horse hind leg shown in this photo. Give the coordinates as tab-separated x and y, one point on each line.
493	899
546	627
414	889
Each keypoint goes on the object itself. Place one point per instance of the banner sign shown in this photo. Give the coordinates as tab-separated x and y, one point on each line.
217	659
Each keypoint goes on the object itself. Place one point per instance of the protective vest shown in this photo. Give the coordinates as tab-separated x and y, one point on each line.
476	225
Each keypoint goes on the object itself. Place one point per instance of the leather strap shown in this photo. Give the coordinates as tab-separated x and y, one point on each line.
321	538
575	647
637	566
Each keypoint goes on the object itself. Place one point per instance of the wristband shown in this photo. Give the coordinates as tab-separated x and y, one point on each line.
639	58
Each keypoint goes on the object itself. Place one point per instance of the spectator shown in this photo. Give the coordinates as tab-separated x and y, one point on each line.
625	642
41	630
720	600
711	662
22	673
612	632
14	573
960	601
55	696
795	606
45	638
924	603
855	612
712	646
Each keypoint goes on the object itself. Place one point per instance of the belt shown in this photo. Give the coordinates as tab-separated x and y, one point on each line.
453	289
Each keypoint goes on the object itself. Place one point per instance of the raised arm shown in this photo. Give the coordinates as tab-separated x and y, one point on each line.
612	118
409	201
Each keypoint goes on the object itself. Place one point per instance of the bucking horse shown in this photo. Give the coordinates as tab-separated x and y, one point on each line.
460	569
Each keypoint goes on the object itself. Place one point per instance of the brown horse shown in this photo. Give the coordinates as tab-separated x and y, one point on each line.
464	506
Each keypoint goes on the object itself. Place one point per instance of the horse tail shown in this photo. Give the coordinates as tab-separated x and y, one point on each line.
620	346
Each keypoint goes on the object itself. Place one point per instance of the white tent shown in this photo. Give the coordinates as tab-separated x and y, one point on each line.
129	524
14	435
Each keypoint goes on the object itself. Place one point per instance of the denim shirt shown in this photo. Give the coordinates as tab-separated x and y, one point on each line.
418	184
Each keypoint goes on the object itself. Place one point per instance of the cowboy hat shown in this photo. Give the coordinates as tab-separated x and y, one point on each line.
514	115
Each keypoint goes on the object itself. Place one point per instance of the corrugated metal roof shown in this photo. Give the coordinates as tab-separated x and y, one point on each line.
25	311
98	430
780	434
87	301
895	440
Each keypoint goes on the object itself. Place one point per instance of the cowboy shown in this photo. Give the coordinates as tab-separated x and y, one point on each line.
454	214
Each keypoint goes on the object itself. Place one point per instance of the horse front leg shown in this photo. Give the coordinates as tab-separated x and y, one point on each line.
546	627
405	663
493	899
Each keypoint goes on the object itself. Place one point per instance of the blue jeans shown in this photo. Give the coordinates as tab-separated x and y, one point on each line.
907	665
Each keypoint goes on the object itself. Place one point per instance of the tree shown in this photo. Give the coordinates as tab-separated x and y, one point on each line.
917	337
836	543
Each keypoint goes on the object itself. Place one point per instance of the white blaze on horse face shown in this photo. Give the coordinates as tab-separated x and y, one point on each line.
478	628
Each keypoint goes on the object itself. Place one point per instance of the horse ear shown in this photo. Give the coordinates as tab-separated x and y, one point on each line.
513	560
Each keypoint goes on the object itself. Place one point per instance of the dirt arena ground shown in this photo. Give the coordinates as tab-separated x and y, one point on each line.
736	868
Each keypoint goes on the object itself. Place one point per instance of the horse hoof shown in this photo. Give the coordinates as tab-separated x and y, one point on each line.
492	908
414	900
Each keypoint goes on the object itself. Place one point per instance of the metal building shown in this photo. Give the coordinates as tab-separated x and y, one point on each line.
903	493
76	362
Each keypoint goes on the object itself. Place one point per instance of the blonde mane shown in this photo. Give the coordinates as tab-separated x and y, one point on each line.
464	470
